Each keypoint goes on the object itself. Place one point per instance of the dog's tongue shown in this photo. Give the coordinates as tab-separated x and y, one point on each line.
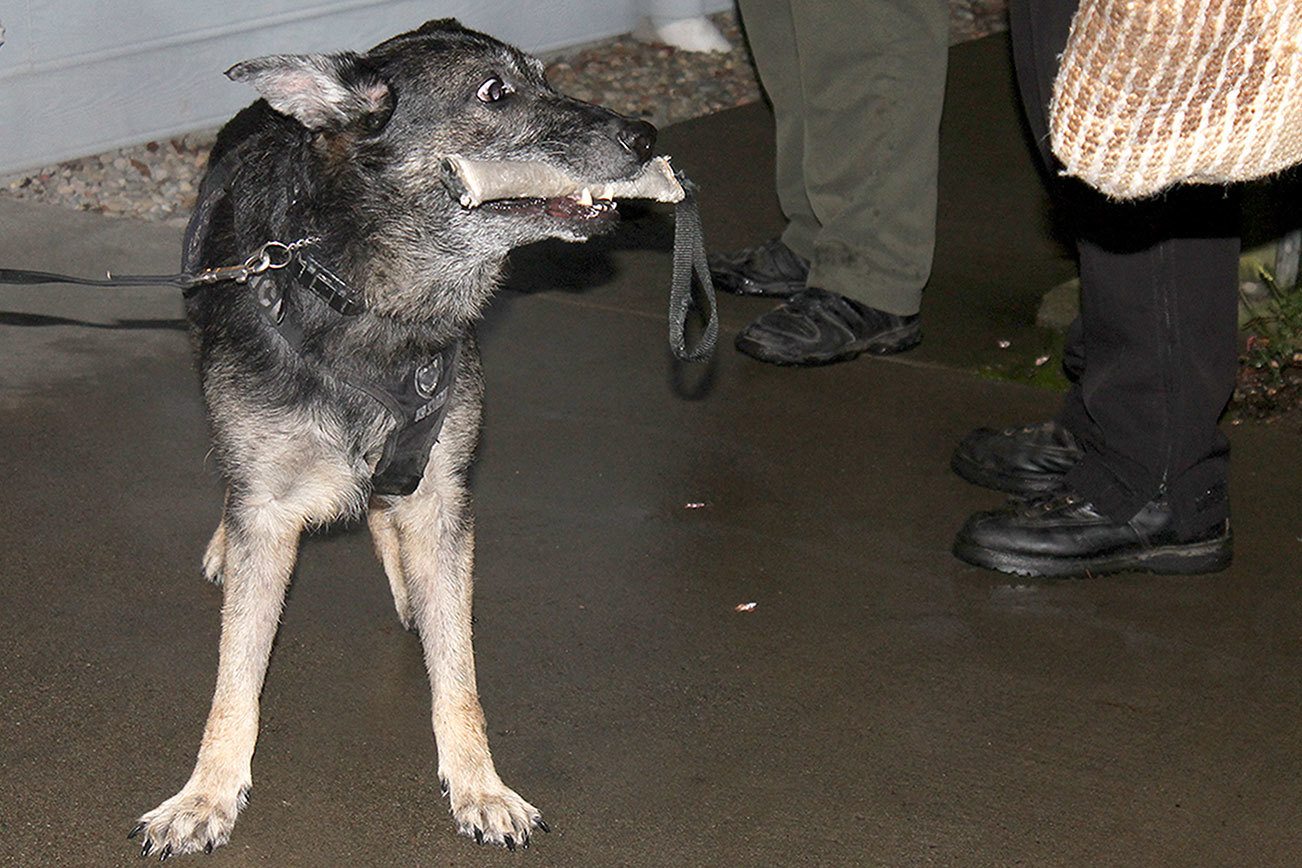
474	182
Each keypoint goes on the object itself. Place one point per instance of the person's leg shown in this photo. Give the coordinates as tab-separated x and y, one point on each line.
1184	240
1153	352
1160	328
1156	363
1039	32
770	33
871	83
779	266
872	78
1030	459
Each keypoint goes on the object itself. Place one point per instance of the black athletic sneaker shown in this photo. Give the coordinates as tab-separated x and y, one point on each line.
817	327
1026	460
1063	534
772	268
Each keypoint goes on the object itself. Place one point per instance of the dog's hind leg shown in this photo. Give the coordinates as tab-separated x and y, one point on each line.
261	533
389	551
436	535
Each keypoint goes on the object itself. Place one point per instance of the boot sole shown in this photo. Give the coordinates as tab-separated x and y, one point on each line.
1208	556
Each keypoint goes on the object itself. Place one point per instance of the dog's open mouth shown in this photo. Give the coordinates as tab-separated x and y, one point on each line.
578	207
533	188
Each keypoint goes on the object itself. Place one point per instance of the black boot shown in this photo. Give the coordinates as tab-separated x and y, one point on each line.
1023	461
1062	534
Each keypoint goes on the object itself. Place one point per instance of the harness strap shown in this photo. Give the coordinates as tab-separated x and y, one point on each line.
422	398
212	190
416	399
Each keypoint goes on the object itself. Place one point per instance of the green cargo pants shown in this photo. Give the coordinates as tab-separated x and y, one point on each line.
857	88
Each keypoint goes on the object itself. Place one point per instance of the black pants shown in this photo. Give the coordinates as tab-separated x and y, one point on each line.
1153	355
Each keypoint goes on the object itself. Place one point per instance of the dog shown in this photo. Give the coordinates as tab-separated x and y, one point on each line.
340	166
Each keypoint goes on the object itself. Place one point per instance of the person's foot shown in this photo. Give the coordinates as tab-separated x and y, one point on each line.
771	268
1062	534
1026	460
817	327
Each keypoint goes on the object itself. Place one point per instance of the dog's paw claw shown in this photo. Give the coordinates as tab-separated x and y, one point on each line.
493	814
539	823
190	822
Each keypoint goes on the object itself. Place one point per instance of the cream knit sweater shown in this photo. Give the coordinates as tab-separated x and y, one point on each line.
1152	93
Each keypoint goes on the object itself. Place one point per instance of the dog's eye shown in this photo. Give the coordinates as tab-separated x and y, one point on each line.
493	90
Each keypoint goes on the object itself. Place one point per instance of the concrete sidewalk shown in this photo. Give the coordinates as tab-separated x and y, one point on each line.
882	704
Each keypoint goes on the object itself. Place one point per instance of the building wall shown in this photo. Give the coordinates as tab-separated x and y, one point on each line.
80	77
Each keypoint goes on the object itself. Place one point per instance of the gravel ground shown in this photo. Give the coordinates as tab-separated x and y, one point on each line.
157	181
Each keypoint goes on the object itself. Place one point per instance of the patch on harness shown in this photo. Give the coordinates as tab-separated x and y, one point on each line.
418	404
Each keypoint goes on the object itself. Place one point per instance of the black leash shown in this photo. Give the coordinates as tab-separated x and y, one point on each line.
270	256
20	276
689	263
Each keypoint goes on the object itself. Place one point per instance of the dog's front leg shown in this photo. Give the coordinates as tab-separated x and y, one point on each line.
436	535
260	548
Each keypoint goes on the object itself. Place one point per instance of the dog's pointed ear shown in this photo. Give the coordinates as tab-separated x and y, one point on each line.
321	91
436	25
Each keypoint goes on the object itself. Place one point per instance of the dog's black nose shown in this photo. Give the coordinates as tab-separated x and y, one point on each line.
639	137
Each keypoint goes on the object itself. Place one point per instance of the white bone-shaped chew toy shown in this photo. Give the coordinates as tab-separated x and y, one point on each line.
475	182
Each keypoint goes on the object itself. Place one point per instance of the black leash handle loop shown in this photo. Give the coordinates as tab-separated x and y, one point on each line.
689	263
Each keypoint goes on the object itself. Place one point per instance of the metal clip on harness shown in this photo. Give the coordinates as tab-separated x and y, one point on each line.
271	256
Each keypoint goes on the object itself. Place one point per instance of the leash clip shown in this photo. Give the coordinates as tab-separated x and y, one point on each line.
271	256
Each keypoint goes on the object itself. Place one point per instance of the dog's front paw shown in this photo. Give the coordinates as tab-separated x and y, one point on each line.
494	814
189	822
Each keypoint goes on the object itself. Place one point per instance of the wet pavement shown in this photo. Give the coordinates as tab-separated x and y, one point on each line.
881	704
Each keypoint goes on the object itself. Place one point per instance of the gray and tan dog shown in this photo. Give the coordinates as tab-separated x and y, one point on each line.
344	378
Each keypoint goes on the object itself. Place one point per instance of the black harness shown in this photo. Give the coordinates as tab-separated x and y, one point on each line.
415	399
